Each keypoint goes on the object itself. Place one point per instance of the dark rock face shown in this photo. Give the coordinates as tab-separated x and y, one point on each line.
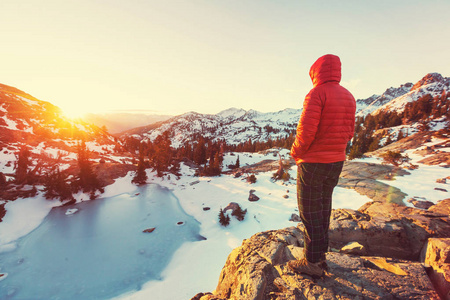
252	197
389	236
423	204
233	206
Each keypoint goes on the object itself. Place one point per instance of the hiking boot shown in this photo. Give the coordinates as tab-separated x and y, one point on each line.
323	264
306	267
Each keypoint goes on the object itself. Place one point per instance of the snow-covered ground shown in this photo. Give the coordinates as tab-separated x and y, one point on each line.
195	266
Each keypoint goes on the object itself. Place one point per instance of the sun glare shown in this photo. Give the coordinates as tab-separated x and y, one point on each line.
74	112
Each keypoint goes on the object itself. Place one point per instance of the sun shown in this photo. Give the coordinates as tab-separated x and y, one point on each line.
74	112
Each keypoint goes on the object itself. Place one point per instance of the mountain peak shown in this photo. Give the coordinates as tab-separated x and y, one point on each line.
427	79
232	112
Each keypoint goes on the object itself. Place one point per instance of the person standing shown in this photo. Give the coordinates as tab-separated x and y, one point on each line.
325	127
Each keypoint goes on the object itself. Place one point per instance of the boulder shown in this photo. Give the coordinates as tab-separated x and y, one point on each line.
295	218
233	206
387	229
442	207
353	248
257	270
437	256
423	204
252	197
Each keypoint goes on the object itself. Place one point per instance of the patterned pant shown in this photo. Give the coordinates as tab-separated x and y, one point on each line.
315	184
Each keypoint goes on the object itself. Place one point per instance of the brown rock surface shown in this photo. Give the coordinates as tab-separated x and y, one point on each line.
442	207
257	270
437	256
387	229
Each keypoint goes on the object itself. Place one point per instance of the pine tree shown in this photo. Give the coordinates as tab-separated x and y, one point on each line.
56	186
218	162
224	220
388	141
251	178
238	164
400	135
395	158
200	152
424	125
140	176
162	154
23	161
87	179
3	181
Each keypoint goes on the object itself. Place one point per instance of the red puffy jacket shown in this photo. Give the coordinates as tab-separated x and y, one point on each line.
327	121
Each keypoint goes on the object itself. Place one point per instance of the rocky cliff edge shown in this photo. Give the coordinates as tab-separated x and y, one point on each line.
380	251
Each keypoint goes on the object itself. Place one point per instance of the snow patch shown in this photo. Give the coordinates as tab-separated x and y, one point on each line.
71	211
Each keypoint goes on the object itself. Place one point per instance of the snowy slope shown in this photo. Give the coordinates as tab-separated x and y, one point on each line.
433	84
366	106
46	131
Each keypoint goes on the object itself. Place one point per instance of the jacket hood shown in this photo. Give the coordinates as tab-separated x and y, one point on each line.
326	68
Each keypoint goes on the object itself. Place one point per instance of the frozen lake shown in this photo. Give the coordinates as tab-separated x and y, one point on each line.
101	250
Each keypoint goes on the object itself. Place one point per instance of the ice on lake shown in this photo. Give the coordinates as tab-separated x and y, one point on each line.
101	250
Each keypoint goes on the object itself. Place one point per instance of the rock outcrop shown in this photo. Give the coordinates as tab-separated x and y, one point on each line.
388	229
385	241
437	257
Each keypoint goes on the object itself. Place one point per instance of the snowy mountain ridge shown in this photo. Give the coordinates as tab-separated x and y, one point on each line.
233	125
396	98
433	84
236	125
367	106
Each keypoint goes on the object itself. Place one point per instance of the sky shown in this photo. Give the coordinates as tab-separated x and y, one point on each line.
171	57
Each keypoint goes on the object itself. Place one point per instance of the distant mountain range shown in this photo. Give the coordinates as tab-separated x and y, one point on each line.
117	122
24	118
237	125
